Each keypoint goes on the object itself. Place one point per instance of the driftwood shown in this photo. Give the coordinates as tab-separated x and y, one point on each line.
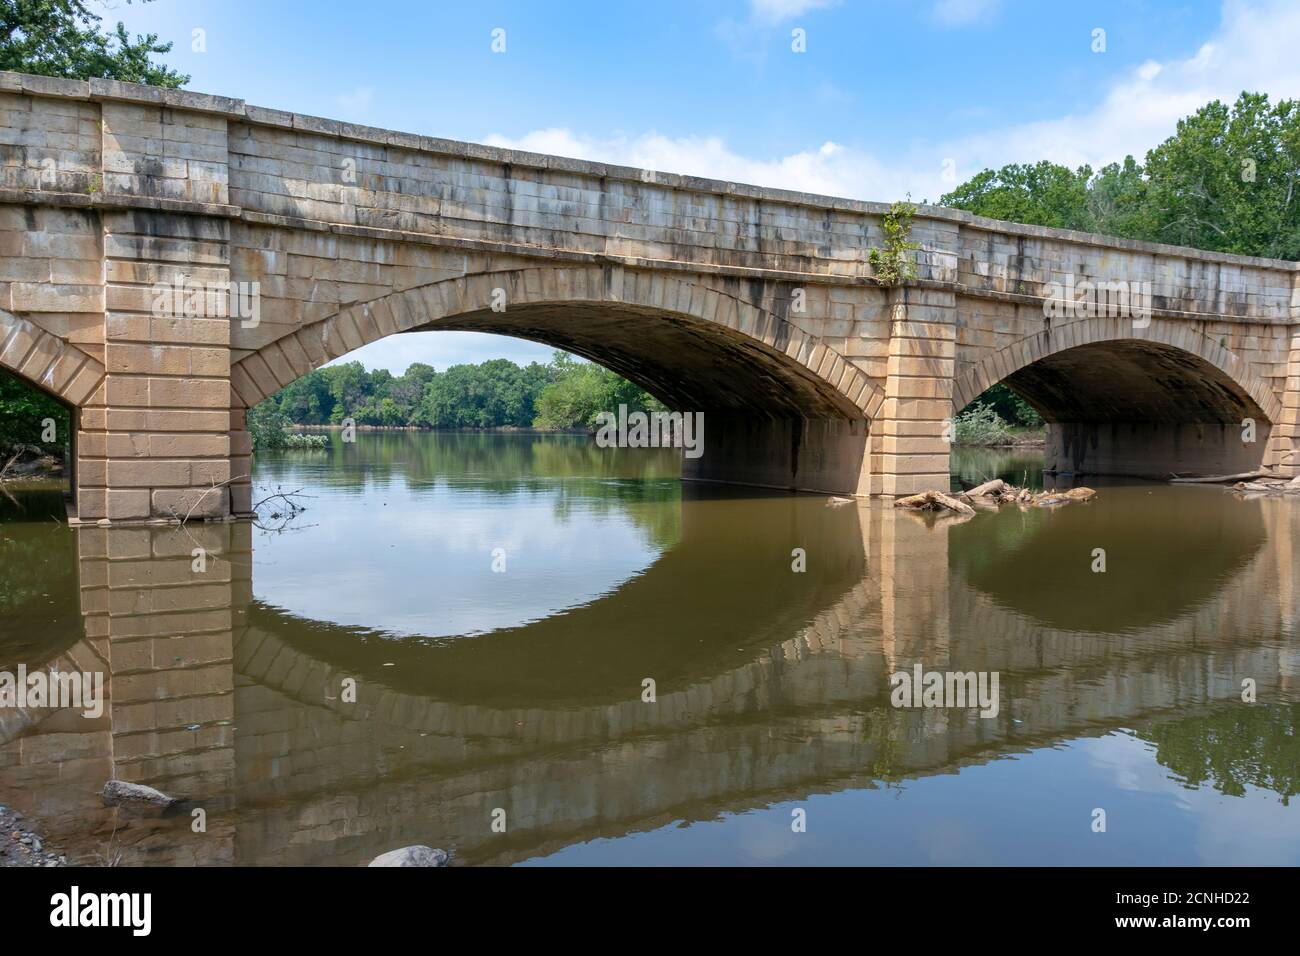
1220	479
1272	486
989	496
934	501
994	487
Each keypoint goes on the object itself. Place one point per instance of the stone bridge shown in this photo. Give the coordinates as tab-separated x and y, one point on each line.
758	307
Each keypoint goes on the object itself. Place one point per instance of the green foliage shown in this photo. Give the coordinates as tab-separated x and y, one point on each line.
267	426
1009	406
580	392
1255	745
894	263
23	412
1043	194
63	38
563	394
980	425
1225	182
493	394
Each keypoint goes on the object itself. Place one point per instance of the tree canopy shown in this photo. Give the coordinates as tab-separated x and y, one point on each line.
63	38
1225	182
563	394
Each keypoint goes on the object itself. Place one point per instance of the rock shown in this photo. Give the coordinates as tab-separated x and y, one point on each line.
412	856
119	793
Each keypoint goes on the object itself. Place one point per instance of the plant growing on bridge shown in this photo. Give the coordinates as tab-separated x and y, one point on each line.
894	263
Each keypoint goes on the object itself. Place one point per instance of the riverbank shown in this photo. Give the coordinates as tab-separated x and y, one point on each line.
490	430
1015	437
22	462
22	846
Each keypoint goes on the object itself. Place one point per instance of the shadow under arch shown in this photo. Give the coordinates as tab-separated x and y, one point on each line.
1136	401
786	410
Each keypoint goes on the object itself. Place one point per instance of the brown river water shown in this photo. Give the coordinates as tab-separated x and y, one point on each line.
528	650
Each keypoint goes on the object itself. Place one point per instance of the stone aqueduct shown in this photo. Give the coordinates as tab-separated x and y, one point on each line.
755	306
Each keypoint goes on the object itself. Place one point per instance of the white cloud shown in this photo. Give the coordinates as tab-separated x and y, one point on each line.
441	349
774	11
1253	49
959	13
831	169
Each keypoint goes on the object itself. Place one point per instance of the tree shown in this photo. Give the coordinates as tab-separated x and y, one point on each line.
1042	194
63	38
582	391
1226	181
24	410
348	387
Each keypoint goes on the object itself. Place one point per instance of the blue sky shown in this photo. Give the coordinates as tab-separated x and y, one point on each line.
888	98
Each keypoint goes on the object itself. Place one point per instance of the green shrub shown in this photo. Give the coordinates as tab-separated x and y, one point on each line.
980	425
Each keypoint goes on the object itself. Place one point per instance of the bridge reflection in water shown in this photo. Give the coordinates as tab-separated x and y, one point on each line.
772	686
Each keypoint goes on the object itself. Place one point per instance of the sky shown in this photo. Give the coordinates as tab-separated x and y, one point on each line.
886	99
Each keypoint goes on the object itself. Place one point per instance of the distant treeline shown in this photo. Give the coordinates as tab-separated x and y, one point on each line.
562	394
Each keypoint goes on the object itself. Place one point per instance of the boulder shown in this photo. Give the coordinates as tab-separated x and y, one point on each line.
412	856
119	793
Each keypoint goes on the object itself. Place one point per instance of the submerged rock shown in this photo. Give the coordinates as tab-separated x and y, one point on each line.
412	856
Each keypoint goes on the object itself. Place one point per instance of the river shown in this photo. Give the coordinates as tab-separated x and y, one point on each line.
527	650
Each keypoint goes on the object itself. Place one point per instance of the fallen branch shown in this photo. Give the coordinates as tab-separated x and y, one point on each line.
291	510
208	491
989	496
1278	486
1219	479
994	487
9	463
934	501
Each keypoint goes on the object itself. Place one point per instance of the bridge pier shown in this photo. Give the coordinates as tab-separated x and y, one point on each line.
796	454
911	435
1284	443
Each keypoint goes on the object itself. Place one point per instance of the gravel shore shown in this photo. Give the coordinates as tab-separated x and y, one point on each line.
22	846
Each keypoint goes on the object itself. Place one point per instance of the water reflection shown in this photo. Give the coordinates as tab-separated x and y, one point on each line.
562	520
1120	690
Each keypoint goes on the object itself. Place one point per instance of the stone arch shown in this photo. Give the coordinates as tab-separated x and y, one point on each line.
767	344
48	362
1161	333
